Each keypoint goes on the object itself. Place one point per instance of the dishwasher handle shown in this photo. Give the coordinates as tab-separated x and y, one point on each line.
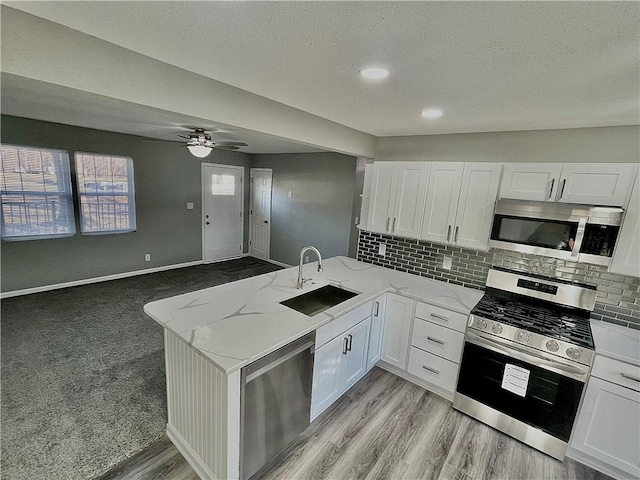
278	361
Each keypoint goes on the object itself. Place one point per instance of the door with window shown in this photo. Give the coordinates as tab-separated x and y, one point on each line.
260	213
222	211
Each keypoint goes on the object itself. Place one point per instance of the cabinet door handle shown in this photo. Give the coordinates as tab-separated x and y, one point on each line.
440	317
393	225
448	233
388	220
455	236
437	372
630	377
350	342
345	343
553	181
435	340
376	309
564	182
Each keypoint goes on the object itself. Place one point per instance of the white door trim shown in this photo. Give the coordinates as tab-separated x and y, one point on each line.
203	165
249	246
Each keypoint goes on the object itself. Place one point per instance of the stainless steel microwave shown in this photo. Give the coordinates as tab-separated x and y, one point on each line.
578	233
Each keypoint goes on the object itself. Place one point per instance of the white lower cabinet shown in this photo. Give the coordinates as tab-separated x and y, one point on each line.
433	369
437	340
607	432
377	326
339	364
397	330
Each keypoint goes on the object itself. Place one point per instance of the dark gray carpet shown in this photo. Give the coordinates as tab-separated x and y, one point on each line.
83	382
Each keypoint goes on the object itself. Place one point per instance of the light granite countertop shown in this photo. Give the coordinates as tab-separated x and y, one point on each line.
237	323
617	342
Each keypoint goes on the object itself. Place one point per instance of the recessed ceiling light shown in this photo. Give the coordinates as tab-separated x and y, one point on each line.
374	73
432	113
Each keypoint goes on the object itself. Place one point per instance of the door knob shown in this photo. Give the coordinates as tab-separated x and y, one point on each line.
266	221
207	223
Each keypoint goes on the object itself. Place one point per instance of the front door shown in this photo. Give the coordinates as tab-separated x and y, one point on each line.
260	219
222	205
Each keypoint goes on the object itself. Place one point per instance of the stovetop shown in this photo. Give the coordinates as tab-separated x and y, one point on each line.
536	316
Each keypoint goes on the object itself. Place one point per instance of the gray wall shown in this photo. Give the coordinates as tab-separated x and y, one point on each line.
167	176
602	144
319	213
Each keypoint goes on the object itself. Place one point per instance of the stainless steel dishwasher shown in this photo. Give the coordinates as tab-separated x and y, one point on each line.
275	399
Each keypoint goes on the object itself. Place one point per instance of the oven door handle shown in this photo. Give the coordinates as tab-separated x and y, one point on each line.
530	357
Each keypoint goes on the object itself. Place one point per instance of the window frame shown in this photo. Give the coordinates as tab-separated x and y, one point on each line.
65	177
130	194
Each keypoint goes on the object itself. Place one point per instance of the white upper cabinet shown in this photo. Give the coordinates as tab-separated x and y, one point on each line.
460	202
597	183
530	181
626	257
475	207
442	201
383	194
396	200
584	183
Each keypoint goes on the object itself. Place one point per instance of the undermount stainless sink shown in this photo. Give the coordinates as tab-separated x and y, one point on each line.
319	300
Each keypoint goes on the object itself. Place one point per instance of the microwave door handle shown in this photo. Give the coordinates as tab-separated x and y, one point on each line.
582	225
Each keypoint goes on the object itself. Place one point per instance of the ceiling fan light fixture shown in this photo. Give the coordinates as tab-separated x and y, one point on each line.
199	151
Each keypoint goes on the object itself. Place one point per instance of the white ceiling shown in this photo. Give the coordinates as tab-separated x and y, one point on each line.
491	66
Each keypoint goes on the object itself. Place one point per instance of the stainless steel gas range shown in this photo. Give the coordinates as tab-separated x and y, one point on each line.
527	355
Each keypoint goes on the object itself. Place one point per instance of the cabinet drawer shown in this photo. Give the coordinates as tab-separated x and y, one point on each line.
438	340
441	316
341	324
433	369
617	372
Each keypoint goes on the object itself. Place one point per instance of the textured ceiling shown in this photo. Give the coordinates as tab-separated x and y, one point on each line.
491	66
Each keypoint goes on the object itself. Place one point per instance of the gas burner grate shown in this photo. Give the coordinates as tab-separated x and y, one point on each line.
537	317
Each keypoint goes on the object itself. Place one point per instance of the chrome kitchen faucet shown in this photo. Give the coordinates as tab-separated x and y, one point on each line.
301	280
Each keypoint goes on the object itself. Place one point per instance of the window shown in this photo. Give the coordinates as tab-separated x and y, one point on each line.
36	193
105	193
223	184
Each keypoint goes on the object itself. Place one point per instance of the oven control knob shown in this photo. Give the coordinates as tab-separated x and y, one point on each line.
553	346
481	323
523	337
573	352
496	328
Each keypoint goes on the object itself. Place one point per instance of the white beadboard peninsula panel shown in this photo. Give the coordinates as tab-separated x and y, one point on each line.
198	401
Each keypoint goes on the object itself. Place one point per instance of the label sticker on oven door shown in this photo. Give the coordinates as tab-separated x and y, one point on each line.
515	379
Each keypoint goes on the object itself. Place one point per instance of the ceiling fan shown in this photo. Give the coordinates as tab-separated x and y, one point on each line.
200	143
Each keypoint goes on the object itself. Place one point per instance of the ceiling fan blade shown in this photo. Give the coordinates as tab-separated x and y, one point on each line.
182	136
226	147
231	144
158	140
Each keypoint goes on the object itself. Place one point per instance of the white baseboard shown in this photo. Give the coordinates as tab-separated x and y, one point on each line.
105	278
280	264
190	456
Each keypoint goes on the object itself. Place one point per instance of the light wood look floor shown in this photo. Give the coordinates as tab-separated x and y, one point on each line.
384	428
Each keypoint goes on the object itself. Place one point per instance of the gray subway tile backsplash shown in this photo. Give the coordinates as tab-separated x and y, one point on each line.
617	301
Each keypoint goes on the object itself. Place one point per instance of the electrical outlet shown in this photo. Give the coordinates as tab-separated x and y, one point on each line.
382	249
446	262
147	257
189	205
290	194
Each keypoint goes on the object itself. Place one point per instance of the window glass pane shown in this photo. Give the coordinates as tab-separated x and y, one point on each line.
36	193
223	184
106	193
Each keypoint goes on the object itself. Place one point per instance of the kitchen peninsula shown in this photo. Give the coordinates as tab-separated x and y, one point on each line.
211	334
